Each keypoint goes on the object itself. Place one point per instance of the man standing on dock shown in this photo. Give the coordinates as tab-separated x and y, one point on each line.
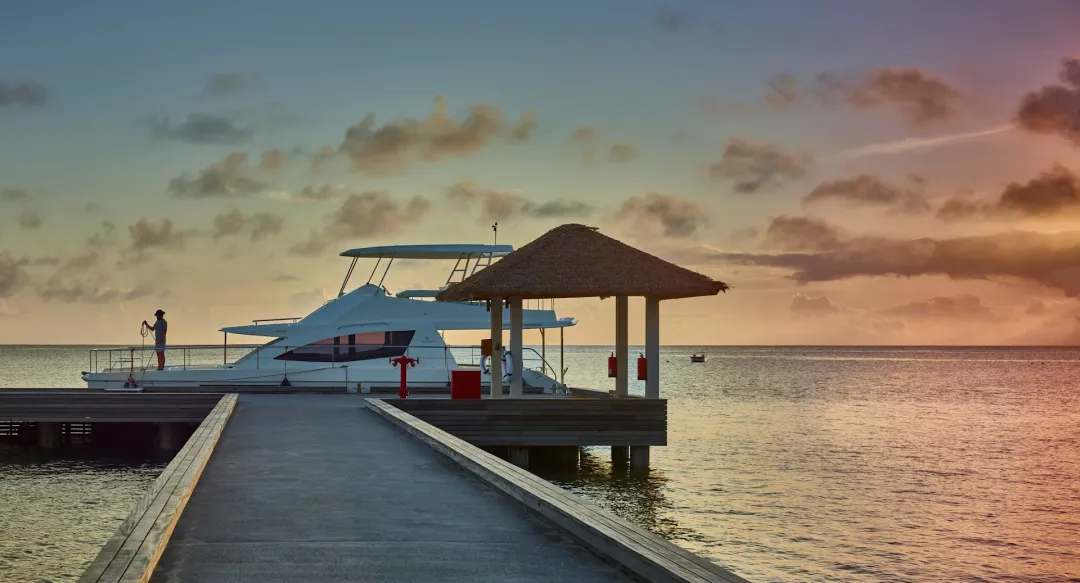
160	328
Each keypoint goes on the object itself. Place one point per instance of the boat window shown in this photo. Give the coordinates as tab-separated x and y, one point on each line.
366	346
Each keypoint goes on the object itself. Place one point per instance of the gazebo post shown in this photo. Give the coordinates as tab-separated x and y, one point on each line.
622	346
496	347
652	347
516	389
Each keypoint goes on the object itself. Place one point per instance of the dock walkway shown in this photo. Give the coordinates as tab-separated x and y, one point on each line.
318	488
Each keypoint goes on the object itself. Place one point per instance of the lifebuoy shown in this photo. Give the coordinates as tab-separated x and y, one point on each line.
507	364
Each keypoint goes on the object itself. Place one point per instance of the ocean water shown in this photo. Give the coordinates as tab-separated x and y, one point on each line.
785	464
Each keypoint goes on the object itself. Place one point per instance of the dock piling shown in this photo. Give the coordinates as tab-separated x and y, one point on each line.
639	457
49	435
519	456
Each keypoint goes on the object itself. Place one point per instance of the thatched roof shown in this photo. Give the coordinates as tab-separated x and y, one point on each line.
576	261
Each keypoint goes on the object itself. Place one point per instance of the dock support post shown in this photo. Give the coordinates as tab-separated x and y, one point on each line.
496	347
639	457
516	389
169	436
48	435
519	456
652	348
620	454
622	346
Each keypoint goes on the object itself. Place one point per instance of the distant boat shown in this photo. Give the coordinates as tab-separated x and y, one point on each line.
697	357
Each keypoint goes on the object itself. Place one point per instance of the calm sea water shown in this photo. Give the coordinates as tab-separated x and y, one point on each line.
784	464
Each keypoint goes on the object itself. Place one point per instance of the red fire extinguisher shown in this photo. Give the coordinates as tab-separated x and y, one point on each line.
612	366
642	368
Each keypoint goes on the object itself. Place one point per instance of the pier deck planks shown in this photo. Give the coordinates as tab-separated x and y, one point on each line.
318	488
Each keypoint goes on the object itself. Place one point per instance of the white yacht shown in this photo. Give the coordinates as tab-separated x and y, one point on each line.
350	340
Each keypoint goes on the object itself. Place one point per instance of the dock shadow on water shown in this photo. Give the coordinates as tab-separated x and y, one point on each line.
635	495
60	506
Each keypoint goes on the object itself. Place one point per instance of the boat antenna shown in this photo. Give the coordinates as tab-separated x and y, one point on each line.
495	228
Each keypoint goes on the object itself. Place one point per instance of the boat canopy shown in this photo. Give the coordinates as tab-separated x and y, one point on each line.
428	251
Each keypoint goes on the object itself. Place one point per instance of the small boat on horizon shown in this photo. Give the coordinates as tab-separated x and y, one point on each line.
697	357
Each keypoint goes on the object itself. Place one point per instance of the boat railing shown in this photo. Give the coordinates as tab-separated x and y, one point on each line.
205	356
292	320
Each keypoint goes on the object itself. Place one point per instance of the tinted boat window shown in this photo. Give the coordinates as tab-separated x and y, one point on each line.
353	347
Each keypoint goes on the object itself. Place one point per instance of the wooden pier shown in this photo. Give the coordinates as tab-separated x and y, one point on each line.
347	487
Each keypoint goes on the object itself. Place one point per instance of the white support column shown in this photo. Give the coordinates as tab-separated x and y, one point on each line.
622	346
652	347
516	388
496	347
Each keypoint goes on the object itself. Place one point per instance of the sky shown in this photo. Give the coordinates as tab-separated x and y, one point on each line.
858	171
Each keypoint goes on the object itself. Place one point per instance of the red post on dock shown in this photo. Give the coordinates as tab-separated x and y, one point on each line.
405	362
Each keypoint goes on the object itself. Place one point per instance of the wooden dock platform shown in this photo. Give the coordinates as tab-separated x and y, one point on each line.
318	488
352	487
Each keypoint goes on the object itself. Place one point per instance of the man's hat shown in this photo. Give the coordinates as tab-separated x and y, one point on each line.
159	313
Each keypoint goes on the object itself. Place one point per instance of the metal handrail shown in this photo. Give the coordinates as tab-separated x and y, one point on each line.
125	356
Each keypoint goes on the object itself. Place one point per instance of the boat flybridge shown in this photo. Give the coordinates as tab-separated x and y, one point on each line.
349	341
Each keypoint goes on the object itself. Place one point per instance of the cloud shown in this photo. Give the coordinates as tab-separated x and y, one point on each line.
668	20
106	237
259	225
38	261
801	234
756	166
820	252
13	195
525	128
273	159
12	275
323	193
585	134
146	235
1036	307
72	291
502	205
622	152
363	216
27	93
6	311
963	306
228	178
591	138
741	235
286	277
1054	109
805	305
224	84
869	190
919	97
1054	192
30	219
395	145
202	128
675	217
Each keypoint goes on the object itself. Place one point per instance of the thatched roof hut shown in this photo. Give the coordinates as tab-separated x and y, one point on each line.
576	261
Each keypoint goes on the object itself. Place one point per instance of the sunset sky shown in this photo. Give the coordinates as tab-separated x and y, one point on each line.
859	171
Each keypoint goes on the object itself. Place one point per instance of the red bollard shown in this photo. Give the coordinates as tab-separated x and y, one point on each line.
405	362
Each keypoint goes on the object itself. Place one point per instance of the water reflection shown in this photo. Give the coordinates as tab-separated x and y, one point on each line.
635	495
57	511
